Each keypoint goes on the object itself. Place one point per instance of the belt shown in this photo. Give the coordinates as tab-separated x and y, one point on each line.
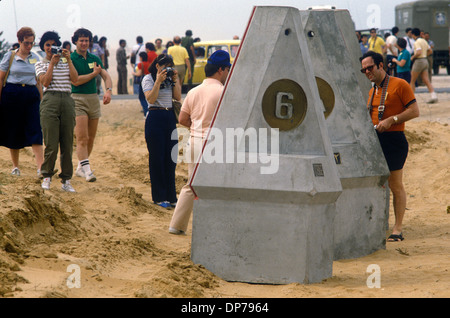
159	108
57	92
18	84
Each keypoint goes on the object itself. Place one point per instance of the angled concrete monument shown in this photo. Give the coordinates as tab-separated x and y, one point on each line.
363	208
268	183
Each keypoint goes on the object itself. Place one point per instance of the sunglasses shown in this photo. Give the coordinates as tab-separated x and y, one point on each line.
368	68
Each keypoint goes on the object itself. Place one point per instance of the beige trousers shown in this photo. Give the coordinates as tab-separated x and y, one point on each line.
185	204
181	69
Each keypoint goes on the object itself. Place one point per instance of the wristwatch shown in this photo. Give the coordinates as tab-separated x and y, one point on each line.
109	89
395	119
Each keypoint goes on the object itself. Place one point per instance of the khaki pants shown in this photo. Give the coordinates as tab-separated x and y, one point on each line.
57	113
185	204
181	69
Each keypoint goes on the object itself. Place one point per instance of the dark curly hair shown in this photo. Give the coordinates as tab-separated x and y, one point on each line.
49	35
83	33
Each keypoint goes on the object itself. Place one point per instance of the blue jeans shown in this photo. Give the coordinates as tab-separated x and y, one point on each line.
159	126
143	101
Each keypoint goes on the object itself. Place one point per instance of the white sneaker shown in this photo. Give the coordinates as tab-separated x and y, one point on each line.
433	98
80	173
46	183
15	172
90	177
66	186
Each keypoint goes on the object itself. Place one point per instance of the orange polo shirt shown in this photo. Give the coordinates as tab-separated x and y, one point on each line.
399	97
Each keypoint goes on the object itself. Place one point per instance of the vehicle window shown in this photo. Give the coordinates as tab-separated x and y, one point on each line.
234	49
200	52
214	48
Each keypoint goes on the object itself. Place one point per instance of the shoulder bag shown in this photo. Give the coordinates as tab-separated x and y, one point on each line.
176	107
13	53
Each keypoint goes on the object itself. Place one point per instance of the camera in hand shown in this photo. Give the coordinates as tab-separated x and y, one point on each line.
168	82
56	49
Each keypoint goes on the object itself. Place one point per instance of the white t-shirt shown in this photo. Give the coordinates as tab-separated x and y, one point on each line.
137	50
410	45
392	41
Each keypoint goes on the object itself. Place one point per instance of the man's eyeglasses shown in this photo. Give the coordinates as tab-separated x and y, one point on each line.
368	68
28	43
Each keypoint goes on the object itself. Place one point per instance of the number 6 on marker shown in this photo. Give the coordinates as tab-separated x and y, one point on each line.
280	105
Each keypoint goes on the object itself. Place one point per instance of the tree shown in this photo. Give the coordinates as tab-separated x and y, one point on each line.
4	46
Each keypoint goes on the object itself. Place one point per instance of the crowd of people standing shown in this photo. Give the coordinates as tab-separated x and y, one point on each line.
180	48
409	57
44	102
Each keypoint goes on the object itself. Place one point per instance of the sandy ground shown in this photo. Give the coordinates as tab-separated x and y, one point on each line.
111	234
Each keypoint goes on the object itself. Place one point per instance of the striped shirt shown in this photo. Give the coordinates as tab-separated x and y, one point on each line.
61	75
165	94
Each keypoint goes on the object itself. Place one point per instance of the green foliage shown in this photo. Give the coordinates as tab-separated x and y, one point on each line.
4	46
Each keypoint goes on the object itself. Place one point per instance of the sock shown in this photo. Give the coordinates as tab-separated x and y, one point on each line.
85	166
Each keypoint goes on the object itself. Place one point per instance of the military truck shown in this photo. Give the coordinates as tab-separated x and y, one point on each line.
429	16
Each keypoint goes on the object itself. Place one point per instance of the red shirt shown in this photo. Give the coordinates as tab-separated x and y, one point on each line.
151	55
144	67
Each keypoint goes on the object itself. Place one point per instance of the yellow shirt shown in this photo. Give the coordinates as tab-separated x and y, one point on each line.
179	54
376	44
421	45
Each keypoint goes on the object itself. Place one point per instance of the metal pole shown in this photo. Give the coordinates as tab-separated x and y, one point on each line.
15	15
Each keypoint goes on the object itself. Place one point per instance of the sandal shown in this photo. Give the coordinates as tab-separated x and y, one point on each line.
395	238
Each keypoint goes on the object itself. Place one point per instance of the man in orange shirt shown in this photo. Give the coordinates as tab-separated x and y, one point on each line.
197	112
391	103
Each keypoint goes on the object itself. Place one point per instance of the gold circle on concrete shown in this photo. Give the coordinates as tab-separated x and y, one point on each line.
284	105
326	95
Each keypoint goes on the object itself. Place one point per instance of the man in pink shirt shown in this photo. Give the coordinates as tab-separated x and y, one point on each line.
197	112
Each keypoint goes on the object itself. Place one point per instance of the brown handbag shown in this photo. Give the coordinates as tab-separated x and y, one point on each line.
9	67
176	107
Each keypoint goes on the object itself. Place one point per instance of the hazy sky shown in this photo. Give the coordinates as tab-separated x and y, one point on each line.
208	19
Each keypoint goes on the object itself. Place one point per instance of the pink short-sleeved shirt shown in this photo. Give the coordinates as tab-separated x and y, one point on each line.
200	104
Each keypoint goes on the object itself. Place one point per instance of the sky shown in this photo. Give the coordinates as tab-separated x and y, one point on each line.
126	19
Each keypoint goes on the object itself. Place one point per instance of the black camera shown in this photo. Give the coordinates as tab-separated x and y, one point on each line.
170	71
56	49
168	82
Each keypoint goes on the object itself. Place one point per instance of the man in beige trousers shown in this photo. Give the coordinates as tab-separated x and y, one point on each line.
197	112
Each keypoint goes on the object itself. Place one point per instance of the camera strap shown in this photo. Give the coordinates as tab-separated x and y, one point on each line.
381	107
